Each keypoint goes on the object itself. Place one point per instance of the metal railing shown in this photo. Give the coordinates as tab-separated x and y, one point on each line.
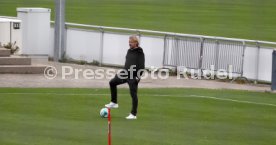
201	53
165	33
193	51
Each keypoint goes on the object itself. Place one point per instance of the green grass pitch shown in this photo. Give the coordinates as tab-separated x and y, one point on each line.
250	19
166	117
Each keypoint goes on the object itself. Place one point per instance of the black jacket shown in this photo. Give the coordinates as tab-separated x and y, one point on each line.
136	57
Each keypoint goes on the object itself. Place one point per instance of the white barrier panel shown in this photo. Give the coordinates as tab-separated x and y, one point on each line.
52	42
168	50
83	45
115	48
250	62
258	70
153	48
265	64
210	51
4	32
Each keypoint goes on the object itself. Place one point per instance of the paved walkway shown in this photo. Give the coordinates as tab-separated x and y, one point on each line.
40	81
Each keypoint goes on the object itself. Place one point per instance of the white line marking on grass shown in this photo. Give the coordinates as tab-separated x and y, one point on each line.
164	95
79	94
62	94
233	100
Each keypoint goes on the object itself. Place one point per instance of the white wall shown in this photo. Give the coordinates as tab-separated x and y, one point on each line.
258	70
4	32
153	48
115	48
250	62
52	42
265	64
83	45
86	45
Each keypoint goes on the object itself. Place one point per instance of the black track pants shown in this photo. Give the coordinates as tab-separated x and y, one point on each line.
133	86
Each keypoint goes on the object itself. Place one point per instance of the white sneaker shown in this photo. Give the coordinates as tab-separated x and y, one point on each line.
131	117
112	105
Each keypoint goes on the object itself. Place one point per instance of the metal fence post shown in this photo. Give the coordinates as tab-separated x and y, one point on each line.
65	42
257	64
273	79
101	46
177	51
164	49
201	53
139	34
217	55
139	37
59	29
244	47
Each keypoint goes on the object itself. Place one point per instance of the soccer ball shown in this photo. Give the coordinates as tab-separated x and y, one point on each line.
104	112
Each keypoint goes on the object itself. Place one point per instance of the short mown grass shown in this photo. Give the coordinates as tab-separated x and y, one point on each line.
165	117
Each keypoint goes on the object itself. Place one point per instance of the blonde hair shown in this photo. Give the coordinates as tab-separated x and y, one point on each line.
135	39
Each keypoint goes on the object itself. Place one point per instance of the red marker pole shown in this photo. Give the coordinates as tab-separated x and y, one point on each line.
109	127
